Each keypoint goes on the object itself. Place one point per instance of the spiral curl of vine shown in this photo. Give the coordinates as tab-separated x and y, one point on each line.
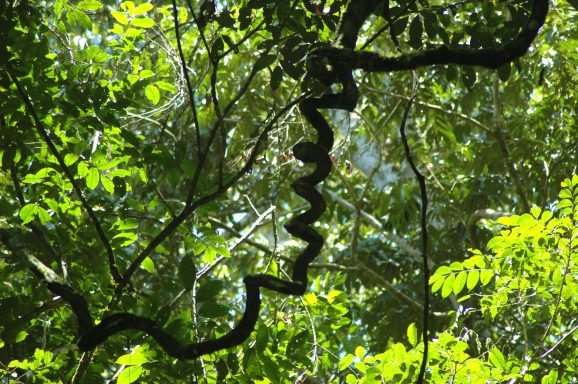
299	226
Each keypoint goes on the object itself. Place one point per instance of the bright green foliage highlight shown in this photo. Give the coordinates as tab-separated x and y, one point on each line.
530	271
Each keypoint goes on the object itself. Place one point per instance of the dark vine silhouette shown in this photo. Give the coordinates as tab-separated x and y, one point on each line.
330	65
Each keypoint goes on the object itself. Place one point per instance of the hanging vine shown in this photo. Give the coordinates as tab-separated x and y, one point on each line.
330	65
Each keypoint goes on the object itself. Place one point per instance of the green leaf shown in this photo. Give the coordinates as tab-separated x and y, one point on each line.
216	239
130	375
70	159
187	272
497	358
264	61
43	215
132	78
223	251
345	362
143	22
448	286
129	236
412	335
552	376
142	8
58	5
415	32
152	93
120	17
262	338
82	169
148	265
28	212
107	184
74	16
165	86
359	352
213	310
511	221
145	74
20	336
276	78
351	379
438	284
92	178
132	359
473	277
89	5
460	282
486	275
199	247
209	289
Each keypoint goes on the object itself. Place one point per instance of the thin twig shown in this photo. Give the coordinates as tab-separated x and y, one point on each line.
187	79
424	233
45	135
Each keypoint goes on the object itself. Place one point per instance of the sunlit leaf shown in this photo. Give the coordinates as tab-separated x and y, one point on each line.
92	178
497	358
152	93
89	5
28	212
412	334
166	86
148	265
141	8
448	286
132	359
460	282
120	17
345	362
143	22
130	374
473	277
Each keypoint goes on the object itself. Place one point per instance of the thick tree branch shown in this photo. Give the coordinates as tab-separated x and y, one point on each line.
491	58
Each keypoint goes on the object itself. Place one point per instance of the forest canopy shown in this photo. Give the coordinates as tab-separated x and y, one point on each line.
308	191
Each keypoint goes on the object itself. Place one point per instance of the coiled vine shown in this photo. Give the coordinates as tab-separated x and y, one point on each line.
331	64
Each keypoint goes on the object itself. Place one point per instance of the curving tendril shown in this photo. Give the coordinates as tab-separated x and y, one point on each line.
308	152
299	226
330	65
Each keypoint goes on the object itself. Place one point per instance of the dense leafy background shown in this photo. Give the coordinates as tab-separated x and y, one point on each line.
105	80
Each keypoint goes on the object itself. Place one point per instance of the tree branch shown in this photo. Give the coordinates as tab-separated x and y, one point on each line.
491	58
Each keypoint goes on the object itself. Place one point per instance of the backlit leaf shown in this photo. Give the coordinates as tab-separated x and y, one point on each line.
412	335
143	22
152	93
92	178
120	17
345	362
473	277
130	374
89	5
